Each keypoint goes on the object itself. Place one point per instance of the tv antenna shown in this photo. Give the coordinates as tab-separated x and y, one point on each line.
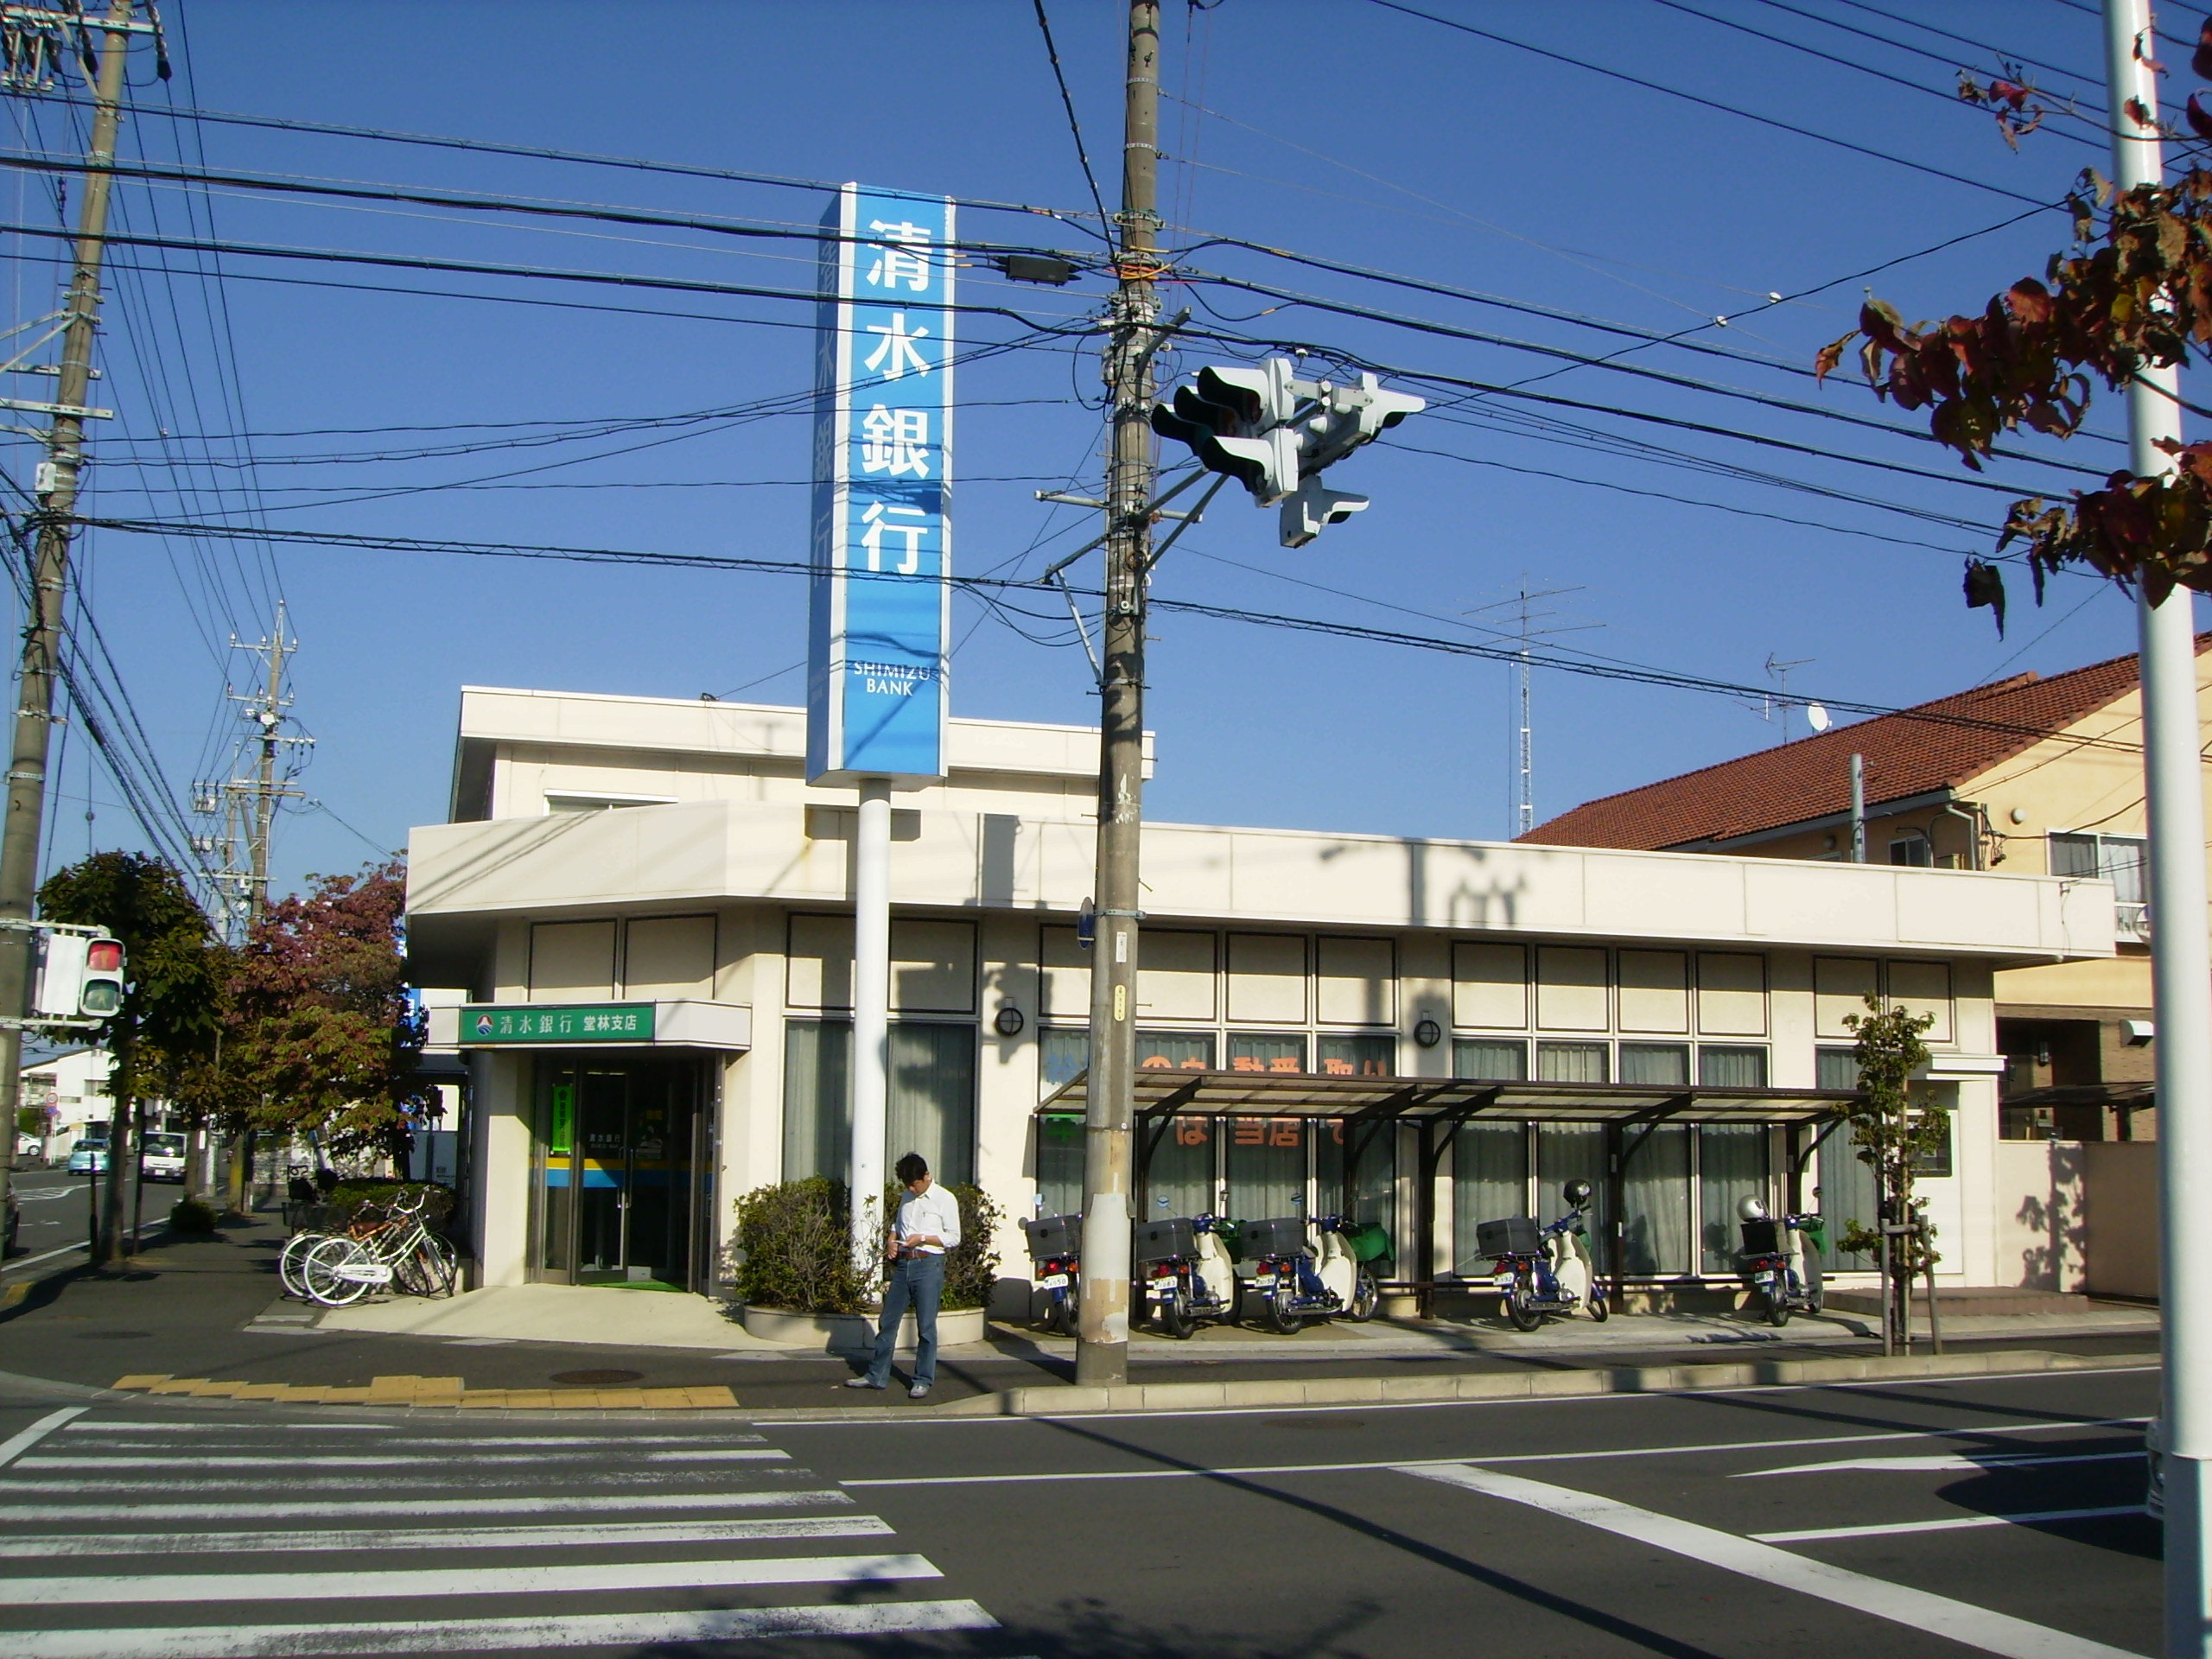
1778	705
1520	610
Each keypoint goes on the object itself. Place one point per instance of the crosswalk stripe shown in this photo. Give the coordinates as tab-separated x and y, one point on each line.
616	1535
554	1503
521	1477
458	1441
377	1459
1947	1523
647	1630
564	1578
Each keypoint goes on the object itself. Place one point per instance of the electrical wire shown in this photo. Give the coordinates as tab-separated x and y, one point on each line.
1075	127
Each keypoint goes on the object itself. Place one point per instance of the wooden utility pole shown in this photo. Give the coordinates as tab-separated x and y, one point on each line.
1102	1347
56	489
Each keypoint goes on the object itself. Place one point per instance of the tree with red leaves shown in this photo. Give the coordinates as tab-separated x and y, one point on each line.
319	1036
2135	290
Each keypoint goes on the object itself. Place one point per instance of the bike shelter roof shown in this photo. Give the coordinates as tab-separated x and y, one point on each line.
1161	1093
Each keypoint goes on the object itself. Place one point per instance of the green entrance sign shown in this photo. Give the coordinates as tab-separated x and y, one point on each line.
574	1024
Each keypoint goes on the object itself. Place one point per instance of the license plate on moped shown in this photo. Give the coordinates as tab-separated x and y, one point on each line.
1505	1281
1053	1281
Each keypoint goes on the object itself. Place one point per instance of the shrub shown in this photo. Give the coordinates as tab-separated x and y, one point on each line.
339	1206
190	1215
971	1265
795	1249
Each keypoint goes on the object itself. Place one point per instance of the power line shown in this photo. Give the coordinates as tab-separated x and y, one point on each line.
1705	103
1075	127
1595	667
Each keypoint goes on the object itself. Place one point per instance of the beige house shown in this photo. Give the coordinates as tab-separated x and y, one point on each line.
643	914
2044	775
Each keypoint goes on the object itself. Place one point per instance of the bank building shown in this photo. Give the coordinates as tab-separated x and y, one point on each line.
637	929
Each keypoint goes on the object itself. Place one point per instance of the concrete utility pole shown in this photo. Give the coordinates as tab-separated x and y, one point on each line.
2181	962
266	711
1102	1334
56	488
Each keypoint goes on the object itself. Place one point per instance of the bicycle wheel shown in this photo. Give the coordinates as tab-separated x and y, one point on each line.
288	1263
319	1273
444	1262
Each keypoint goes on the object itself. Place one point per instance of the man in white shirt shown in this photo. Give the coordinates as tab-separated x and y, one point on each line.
928	1225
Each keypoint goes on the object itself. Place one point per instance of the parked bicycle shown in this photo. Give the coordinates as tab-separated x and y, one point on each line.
400	1250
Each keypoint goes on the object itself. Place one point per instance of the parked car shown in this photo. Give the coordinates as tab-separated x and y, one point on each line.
161	1157
30	1152
88	1158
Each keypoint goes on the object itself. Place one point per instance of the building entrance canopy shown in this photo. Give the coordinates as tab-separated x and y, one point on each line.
1434	1107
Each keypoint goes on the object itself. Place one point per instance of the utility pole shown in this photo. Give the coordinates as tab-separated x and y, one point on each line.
1102	1334
56	489
2181	962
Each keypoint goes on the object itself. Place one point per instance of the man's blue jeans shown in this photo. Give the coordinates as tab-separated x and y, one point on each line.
918	1280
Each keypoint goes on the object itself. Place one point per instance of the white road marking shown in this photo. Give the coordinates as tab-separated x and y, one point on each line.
1920	1610
48	1256
647	1632
1949	1523
16	1444
1948	1463
135	1426
570	1578
254	1433
276	1474
548	1503
1516	1457
78	1545
284	1462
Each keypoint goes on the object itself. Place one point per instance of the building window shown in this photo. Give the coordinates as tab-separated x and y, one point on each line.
1911	850
1059	1164
1486	1060
1373	1056
1835	1068
1571	1063
929	1109
1063	1052
1663	1066
1374	1194
1490	1182
1655	1201
1175	1050
1732	1166
1265	1165
1735	1065
1261	1051
1935	1165
2121	860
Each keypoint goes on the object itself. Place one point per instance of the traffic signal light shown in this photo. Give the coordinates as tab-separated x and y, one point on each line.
1275	434
1237	422
101	993
81	973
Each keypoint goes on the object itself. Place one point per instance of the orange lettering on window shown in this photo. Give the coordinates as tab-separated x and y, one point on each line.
1190	1131
1335	1068
1251	1132
1284	1132
1157	1063
1245	1063
1285	1062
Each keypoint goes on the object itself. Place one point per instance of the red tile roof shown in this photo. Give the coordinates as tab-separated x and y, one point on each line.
1908	754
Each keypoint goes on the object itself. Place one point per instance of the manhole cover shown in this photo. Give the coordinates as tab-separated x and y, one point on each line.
595	1379
110	1336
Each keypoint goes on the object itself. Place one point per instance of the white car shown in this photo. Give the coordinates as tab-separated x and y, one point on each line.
161	1157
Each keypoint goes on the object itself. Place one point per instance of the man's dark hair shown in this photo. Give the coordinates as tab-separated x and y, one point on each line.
911	1168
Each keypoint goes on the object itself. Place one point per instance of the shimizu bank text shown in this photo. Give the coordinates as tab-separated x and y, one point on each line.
640	916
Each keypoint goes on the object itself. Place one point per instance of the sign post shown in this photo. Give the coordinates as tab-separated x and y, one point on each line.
880	608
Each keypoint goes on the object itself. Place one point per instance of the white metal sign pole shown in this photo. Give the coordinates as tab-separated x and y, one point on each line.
871	1012
2181	964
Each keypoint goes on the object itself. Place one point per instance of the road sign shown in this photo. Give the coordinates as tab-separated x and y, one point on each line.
881	601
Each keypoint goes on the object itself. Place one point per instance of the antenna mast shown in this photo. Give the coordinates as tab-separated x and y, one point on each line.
1521	763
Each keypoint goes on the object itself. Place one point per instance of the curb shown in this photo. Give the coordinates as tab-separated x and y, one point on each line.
453	1392
1524	1385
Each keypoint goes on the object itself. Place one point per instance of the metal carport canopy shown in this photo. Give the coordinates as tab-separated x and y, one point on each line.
1628	1112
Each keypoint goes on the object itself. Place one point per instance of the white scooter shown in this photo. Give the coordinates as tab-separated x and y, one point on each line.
1776	1266
1550	1276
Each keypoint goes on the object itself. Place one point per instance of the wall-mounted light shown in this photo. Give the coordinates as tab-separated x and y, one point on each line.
1428	1033
1007	1021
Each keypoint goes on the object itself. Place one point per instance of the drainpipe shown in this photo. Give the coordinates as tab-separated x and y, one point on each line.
1859	808
1972	818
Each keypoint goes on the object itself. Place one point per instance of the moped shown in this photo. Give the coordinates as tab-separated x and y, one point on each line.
1780	1271
1347	1248
1184	1275
1055	1246
1545	1272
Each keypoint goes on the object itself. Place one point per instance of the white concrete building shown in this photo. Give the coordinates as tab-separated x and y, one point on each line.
649	913
71	1089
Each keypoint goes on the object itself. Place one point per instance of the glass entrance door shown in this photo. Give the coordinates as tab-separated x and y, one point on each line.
617	1162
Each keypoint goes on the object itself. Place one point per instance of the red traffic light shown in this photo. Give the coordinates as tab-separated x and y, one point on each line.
104	957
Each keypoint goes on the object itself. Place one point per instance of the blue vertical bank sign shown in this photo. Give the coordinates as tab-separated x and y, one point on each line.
882	552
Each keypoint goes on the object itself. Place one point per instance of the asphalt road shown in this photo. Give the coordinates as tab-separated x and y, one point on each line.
1922	1518
56	1209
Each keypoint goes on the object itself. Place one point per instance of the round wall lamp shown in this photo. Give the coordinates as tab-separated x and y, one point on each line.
1007	1022
1428	1033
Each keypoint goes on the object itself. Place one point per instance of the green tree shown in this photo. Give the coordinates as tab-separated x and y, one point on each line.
1895	1134
320	1035
174	970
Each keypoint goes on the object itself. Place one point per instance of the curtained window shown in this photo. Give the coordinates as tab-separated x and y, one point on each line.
1179	1181
1374	1183
1063	1052
1571	1063
1655	1201
1731	1065
1731	1165
931	1107
1490	1182
1266	1164
1374	1056
1665	1065
1059	1164
817	1099
1488	1059
1565	1152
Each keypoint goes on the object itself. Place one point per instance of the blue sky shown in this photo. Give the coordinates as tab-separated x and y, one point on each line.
1350	132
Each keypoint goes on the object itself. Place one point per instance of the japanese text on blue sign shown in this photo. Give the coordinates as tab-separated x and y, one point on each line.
876	702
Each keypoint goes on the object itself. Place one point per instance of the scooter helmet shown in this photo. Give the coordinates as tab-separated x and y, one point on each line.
1578	1193
1749	1210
